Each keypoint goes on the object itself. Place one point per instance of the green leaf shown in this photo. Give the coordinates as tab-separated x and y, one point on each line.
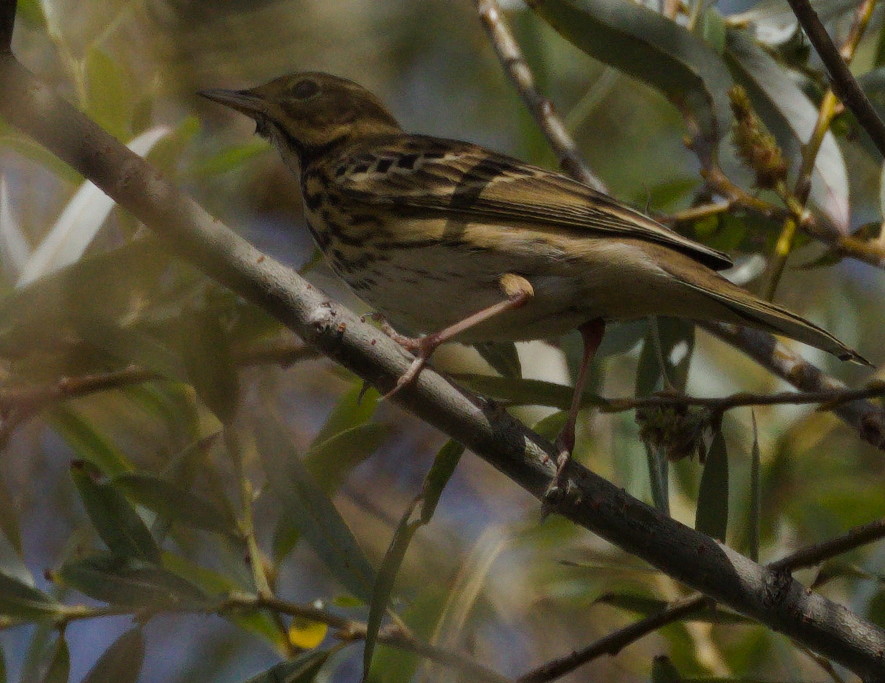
210	367
652	48
754	522
121	662
59	669
534	392
21	601
502	356
311	510
791	117
354	408
712	511
437	478
115	520
303	669
663	671
416	515
330	461
175	503
87	443
107	93
130	582
229	158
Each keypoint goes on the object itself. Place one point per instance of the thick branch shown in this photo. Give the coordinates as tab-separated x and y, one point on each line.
841	79
692	558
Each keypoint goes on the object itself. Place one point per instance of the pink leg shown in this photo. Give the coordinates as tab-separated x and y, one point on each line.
591	333
518	291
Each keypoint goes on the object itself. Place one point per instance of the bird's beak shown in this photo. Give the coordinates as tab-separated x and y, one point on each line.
244	101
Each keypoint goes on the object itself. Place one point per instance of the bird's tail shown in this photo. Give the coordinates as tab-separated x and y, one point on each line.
752	311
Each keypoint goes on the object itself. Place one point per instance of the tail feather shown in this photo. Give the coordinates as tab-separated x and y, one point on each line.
755	312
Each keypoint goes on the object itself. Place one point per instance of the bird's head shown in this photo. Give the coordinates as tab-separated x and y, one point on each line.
310	112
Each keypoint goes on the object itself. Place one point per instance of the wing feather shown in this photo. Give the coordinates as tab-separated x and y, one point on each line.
431	175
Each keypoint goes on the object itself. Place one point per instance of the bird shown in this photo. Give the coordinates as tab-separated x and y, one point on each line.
455	242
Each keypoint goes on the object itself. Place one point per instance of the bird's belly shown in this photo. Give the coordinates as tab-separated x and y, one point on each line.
426	284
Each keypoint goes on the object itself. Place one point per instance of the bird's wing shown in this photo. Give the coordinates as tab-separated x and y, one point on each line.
426	174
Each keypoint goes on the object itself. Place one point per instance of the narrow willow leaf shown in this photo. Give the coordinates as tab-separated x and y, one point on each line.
59	668
331	460
21	601
80	221
663	671
108	91
210	367
121	662
416	515
87	443
754	522
14	247
652	48
175	503
354	408
303	669
791	117
311	510
712	511
518	391
502	356
115	520
128	581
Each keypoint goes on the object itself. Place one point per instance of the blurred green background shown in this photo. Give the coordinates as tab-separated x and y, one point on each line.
487	577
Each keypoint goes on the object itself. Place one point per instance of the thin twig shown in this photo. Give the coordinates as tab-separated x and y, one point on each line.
541	108
841	79
347	629
616	641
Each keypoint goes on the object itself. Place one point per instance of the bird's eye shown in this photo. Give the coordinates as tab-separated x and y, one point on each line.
305	89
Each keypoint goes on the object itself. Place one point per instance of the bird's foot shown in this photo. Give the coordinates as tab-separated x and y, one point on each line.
559	485
422	347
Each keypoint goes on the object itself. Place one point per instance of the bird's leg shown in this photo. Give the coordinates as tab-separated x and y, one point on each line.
591	334
516	288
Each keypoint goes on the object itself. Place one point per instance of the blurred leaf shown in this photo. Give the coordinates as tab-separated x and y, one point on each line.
108	91
87	443
59	668
229	158
787	112
534	392
652	48
754	521
502	356
210	367
9	525
311	510
419	513
116	522
80	221
129	582
330	461
21	601
303	669
671	341
712	29
663	671
650	606
176	503
14	247
213	583
131	345
712	509
31	12
121	662
355	407
104	286
550	426
307	634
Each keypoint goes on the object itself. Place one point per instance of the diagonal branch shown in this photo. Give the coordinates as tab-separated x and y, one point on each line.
843	82
696	560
